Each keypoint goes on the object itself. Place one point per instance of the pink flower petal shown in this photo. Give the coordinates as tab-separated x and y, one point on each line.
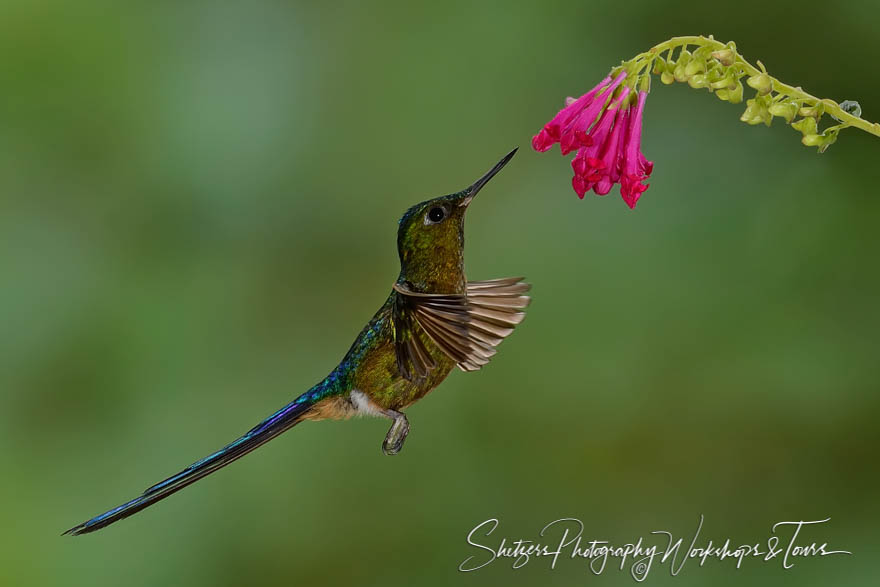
542	142
610	153
636	167
623	123
567	114
570	139
580	186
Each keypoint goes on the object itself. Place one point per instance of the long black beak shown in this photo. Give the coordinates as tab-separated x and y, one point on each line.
470	192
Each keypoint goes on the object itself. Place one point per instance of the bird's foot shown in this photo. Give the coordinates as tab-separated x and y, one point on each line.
396	434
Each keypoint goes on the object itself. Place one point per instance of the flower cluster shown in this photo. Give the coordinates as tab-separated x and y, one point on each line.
604	126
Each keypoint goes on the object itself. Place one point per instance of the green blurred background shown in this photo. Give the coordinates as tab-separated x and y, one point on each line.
199	206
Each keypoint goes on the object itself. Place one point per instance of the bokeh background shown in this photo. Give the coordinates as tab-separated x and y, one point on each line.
198	205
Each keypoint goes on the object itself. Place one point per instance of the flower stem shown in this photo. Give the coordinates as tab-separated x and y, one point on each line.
797	93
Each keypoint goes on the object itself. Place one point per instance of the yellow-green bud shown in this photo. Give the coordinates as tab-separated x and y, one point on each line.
761	82
728	83
830	138
683	59
698	81
815	111
725	56
703	52
806	125
750	116
812	140
667	77
757	112
715	72
823	141
659	65
694	66
787	110
723	94
736	93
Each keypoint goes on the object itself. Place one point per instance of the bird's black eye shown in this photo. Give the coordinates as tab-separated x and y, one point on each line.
436	214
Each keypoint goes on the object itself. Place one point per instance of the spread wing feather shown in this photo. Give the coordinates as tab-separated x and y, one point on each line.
467	327
413	360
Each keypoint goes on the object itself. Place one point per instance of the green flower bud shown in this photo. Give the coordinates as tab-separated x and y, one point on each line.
698	81
725	56
694	66
659	65
728	83
823	141
787	110
736	93
715	73
830	138
667	77
703	52
683	59
750	116
723	94
761	82
757	112
815	111
807	126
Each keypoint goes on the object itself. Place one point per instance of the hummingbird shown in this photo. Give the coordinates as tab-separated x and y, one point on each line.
433	320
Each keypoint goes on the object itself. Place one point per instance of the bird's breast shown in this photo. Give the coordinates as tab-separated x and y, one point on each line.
378	376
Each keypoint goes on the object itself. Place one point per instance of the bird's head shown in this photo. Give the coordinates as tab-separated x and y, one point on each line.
430	238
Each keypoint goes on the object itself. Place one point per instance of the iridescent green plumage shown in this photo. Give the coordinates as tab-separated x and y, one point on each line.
433	320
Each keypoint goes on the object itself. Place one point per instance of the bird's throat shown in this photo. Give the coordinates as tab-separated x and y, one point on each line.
436	270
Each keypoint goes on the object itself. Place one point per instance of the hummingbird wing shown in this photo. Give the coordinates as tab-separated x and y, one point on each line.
496	307
466	327
410	307
414	362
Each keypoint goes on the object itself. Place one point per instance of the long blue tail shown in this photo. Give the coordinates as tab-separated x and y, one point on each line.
281	421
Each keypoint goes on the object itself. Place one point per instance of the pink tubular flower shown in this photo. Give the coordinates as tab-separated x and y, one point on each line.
605	127
596	166
635	168
576	116
611	149
586	164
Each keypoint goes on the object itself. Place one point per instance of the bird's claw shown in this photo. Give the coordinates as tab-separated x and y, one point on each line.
396	435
